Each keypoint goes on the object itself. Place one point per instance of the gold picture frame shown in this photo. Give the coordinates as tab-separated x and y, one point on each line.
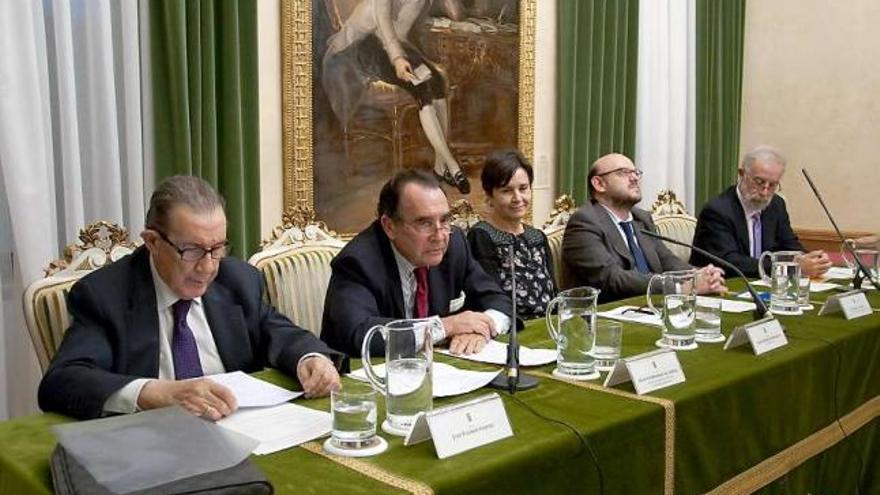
297	94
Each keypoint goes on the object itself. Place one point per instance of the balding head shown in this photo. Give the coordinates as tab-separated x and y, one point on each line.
614	179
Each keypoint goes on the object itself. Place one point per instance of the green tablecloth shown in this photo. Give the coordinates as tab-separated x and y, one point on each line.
735	412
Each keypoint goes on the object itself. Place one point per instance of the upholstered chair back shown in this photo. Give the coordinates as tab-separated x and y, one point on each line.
296	265
672	220
45	300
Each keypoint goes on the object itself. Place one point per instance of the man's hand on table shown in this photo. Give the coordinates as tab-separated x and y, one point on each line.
318	376
200	396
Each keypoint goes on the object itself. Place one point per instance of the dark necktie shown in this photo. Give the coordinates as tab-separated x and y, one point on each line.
757	241
184	350
421	292
634	249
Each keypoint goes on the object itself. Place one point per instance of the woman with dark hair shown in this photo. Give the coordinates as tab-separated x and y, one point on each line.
507	180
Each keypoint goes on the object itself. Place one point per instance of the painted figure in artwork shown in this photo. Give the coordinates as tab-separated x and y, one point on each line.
372	44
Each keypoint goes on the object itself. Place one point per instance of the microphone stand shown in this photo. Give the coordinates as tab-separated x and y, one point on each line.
861	271
511	379
760	308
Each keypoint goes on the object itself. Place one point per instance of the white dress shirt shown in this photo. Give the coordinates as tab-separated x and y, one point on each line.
408	286
750	221
616	221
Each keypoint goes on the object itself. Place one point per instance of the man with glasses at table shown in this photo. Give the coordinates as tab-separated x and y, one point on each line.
412	263
603	246
750	218
147	328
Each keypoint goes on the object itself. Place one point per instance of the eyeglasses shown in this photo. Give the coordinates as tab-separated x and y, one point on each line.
625	171
429	226
192	254
761	184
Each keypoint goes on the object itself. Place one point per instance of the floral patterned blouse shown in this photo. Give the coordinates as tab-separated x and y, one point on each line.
535	286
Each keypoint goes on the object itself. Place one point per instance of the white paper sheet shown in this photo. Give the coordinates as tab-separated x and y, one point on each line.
814	285
448	380
253	392
731	306
496	353
279	427
632	314
838	272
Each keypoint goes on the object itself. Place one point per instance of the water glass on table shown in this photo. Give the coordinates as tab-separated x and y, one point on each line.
354	414
606	352
708	320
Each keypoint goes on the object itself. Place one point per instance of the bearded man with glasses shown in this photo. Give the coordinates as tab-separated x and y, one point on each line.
750	218
412	263
603	246
146	329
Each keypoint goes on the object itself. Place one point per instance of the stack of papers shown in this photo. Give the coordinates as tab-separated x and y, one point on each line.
448	380
253	392
731	306
814	285
837	272
496	353
279	427
633	314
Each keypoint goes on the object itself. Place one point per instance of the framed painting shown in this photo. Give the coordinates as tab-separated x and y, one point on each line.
370	87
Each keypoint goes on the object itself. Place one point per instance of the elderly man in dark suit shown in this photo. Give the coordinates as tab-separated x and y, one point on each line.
411	263
750	218
603	246
147	328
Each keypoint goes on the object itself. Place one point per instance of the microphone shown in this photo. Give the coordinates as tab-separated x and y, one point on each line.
760	308
860	268
511	379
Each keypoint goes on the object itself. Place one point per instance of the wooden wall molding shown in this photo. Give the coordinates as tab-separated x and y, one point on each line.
825	239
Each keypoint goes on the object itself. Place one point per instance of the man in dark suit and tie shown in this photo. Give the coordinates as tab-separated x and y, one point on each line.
411	263
146	328
603	247
750	218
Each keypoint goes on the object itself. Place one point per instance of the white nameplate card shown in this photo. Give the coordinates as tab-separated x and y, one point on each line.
649	371
854	304
461	427
765	335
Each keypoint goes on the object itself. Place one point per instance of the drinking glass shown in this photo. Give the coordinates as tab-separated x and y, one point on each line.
606	352
709	320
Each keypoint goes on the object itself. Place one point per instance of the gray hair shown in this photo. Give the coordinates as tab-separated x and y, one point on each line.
763	153
186	190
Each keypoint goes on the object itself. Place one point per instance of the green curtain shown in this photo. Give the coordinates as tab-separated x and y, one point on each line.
205	103
719	94
598	46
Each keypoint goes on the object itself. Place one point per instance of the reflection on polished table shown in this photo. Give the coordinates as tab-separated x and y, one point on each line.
739	424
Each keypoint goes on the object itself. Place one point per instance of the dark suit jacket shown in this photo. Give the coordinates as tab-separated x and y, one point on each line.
114	335
365	289
594	254
723	231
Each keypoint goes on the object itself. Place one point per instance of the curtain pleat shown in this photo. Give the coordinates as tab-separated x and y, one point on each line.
205	103
598	44
720	28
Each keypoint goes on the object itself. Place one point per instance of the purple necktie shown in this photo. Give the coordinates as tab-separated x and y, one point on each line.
756	235
184	350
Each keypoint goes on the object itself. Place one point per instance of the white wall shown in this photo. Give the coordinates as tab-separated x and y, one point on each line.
271	181
811	86
271	185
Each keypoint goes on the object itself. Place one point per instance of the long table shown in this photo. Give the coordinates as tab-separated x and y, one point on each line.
800	419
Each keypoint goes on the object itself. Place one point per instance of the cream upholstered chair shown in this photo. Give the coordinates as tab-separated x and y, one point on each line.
673	220
296	264
463	214
554	228
45	300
